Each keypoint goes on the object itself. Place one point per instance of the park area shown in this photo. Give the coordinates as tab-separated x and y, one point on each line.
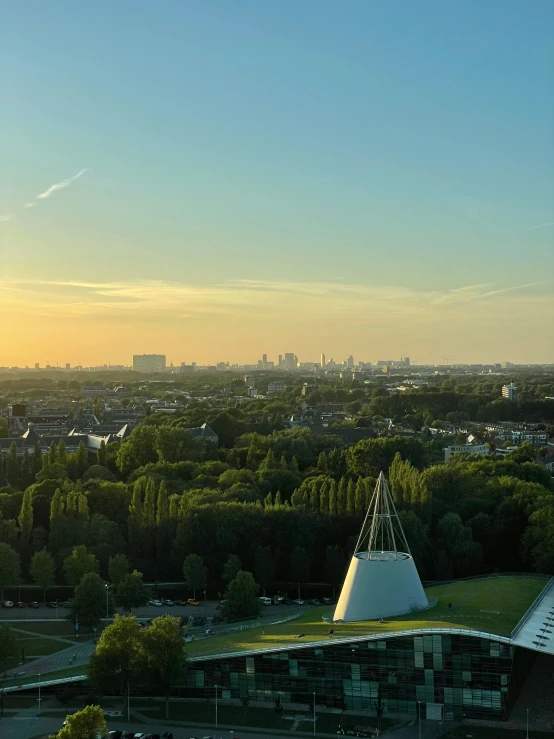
493	605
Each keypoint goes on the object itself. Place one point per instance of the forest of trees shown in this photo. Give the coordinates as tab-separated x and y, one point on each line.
287	504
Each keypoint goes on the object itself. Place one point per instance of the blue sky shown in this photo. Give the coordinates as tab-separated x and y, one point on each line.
400	144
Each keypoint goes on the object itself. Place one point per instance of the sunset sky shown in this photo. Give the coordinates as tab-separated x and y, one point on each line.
216	180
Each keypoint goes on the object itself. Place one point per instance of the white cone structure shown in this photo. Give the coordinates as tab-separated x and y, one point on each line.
382	579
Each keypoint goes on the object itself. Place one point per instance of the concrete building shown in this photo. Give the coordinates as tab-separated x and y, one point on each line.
149	363
276	387
509	392
382	580
290	362
480	449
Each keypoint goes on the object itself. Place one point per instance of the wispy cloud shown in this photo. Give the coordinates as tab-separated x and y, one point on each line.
541	225
474	292
319	300
60	185
29	205
6	218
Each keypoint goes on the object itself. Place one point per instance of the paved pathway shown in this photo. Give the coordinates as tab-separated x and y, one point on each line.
73	656
37	635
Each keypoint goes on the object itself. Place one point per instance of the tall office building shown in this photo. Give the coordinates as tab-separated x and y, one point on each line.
291	361
148	362
406	361
323	360
350	362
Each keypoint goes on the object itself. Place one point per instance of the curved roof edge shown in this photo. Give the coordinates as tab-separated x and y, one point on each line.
352	639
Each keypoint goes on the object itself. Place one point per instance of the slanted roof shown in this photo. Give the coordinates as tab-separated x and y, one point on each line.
31	437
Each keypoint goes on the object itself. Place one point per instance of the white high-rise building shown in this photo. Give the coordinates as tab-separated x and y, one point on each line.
322	361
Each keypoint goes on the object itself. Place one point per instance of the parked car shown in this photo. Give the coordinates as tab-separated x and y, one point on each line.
286	602
298	602
277	600
116	734
167	735
20	604
155	602
314	602
193	602
34	604
180	602
327	601
168	602
265	601
8	604
51	604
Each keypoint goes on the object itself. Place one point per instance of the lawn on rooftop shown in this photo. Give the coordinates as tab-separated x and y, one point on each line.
510	596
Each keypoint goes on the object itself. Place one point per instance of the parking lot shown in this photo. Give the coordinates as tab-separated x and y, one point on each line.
205	608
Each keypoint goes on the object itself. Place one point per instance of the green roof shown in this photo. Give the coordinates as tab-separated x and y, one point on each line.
493	605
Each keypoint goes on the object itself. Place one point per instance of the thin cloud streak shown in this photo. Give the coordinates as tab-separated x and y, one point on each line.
60	185
541	225
459	297
6	218
29	205
318	299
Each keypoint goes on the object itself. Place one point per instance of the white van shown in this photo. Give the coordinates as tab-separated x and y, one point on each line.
265	601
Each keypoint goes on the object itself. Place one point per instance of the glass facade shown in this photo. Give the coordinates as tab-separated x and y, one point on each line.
460	674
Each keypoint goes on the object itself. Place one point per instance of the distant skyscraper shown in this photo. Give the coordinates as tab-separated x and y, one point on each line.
323	360
350	362
37	365
148	362
280	364
264	359
406	361
291	361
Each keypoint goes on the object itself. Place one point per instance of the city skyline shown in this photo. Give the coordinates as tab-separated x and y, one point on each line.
213	180
279	363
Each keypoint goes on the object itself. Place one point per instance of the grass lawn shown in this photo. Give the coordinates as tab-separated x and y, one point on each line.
509	596
487	732
30	637
49	628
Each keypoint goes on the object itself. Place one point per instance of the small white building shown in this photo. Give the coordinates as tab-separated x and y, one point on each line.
480	449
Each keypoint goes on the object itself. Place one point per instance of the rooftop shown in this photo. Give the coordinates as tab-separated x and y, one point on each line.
493	605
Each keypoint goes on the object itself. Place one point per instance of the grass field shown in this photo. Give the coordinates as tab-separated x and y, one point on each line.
494	605
40	638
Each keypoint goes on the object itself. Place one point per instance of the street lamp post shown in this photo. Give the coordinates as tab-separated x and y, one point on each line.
216	706
107	601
